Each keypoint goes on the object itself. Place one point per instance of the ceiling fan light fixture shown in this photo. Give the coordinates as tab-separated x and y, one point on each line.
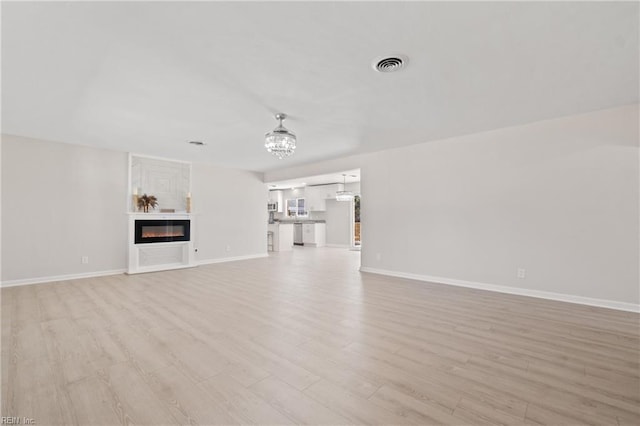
280	141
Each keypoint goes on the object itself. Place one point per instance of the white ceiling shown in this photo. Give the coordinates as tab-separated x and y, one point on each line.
147	77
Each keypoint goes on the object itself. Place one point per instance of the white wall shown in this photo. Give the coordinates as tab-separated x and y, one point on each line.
61	202
336	166
558	197
0	209
353	187
231	212
338	219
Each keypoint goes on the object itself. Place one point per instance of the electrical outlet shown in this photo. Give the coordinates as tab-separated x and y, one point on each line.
522	273
378	257
228	248
84	260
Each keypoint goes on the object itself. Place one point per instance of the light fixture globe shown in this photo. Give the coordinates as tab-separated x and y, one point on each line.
344	195
280	141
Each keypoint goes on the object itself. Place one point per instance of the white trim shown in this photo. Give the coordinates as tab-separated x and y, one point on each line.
130	206
39	280
231	259
155	157
28	281
611	304
345	246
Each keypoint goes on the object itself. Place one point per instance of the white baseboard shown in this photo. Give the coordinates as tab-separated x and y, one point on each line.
231	259
346	246
39	280
603	303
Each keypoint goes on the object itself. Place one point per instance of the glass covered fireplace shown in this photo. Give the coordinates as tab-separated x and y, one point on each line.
162	231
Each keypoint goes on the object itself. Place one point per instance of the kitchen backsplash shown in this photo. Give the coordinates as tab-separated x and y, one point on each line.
312	216
318	215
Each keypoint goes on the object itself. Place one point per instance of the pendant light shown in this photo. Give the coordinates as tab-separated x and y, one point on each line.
344	195
280	141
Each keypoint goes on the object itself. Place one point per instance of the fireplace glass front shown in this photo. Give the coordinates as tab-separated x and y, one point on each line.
161	231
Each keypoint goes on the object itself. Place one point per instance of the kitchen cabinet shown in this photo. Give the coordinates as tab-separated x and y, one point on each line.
329	191
277	197
314	199
317	196
314	234
282	236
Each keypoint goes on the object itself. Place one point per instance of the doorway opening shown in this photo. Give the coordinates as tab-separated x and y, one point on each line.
326	207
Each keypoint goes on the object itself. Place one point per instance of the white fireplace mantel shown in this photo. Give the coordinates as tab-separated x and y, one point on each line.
170	182
160	256
158	215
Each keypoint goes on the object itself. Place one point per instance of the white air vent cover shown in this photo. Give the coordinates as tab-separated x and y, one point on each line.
390	63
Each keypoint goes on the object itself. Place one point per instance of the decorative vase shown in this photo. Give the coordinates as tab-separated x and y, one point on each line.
147	200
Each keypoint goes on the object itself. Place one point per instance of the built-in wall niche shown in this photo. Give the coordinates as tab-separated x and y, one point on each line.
169	181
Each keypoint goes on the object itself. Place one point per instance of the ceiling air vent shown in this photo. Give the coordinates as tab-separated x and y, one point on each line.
390	64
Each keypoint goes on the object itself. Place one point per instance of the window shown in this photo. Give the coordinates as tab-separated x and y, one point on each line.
295	208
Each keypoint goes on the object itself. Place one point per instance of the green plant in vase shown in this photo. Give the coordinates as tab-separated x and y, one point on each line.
147	200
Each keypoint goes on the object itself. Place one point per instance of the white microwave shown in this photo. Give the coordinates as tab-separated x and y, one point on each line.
272	207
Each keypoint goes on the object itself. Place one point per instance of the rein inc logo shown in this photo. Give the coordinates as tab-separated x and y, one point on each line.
4	420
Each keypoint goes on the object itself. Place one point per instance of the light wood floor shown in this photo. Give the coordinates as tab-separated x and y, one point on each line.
303	337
